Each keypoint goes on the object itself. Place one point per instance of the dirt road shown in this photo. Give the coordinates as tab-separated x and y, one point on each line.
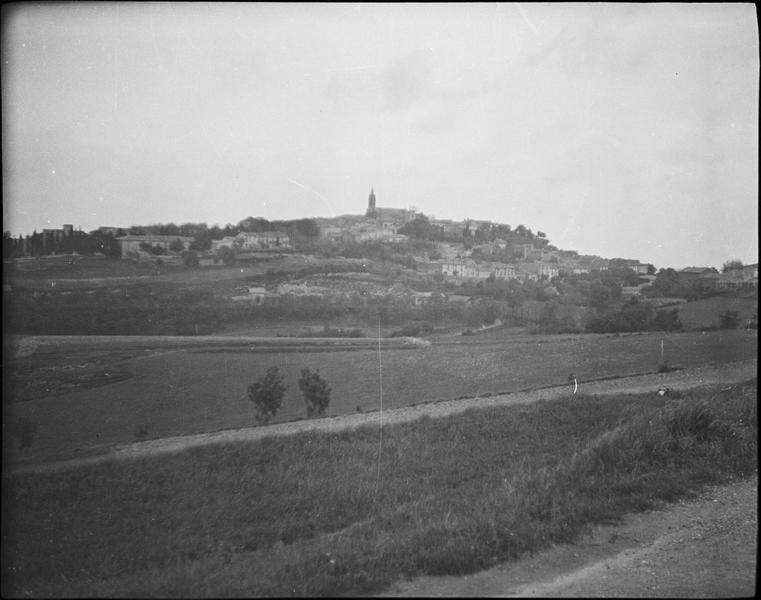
700	548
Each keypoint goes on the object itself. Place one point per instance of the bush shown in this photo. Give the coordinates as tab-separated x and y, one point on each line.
316	392
267	395
668	320
190	258
226	255
729	319
664	367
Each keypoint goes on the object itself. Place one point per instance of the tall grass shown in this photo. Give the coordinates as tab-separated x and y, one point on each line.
319	514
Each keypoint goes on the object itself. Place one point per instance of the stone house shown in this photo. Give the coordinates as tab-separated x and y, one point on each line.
258	240
747	274
537	271
460	268
505	272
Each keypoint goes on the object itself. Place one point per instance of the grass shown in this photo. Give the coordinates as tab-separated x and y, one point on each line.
178	391
341	514
705	313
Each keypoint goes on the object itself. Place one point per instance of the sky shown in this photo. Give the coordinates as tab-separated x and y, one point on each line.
623	130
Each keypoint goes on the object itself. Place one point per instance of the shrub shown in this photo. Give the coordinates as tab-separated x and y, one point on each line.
267	395
316	392
191	259
176	245
668	320
690	419
226	255
729	319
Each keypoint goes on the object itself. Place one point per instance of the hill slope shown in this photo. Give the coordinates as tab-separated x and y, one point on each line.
705	312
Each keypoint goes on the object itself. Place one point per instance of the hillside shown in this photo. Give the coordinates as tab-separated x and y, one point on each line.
705	313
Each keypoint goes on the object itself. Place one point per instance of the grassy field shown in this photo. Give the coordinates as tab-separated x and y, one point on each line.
193	390
706	312
119	273
348	513
87	272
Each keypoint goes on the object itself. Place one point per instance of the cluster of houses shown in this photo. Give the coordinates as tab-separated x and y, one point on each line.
460	269
732	279
528	259
254	240
383	231
259	295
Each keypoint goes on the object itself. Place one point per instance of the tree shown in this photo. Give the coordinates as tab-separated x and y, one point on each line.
419	228
176	245
600	295
190	258
668	283
732	264
668	320
227	255
267	395
483	233
316	392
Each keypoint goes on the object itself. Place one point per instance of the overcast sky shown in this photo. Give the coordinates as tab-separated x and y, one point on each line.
624	130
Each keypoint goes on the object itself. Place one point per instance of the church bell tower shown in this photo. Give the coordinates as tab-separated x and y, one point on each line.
371	204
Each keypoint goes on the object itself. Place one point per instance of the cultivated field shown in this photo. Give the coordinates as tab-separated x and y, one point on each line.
143	388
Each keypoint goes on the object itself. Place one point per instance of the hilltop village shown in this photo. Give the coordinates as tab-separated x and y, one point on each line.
401	258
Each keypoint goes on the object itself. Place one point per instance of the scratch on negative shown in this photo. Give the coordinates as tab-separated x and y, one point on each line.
525	18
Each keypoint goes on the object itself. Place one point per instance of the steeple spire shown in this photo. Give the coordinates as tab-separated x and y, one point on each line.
371	204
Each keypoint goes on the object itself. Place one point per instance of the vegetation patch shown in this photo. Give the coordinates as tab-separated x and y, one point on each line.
705	313
30	381
351	512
